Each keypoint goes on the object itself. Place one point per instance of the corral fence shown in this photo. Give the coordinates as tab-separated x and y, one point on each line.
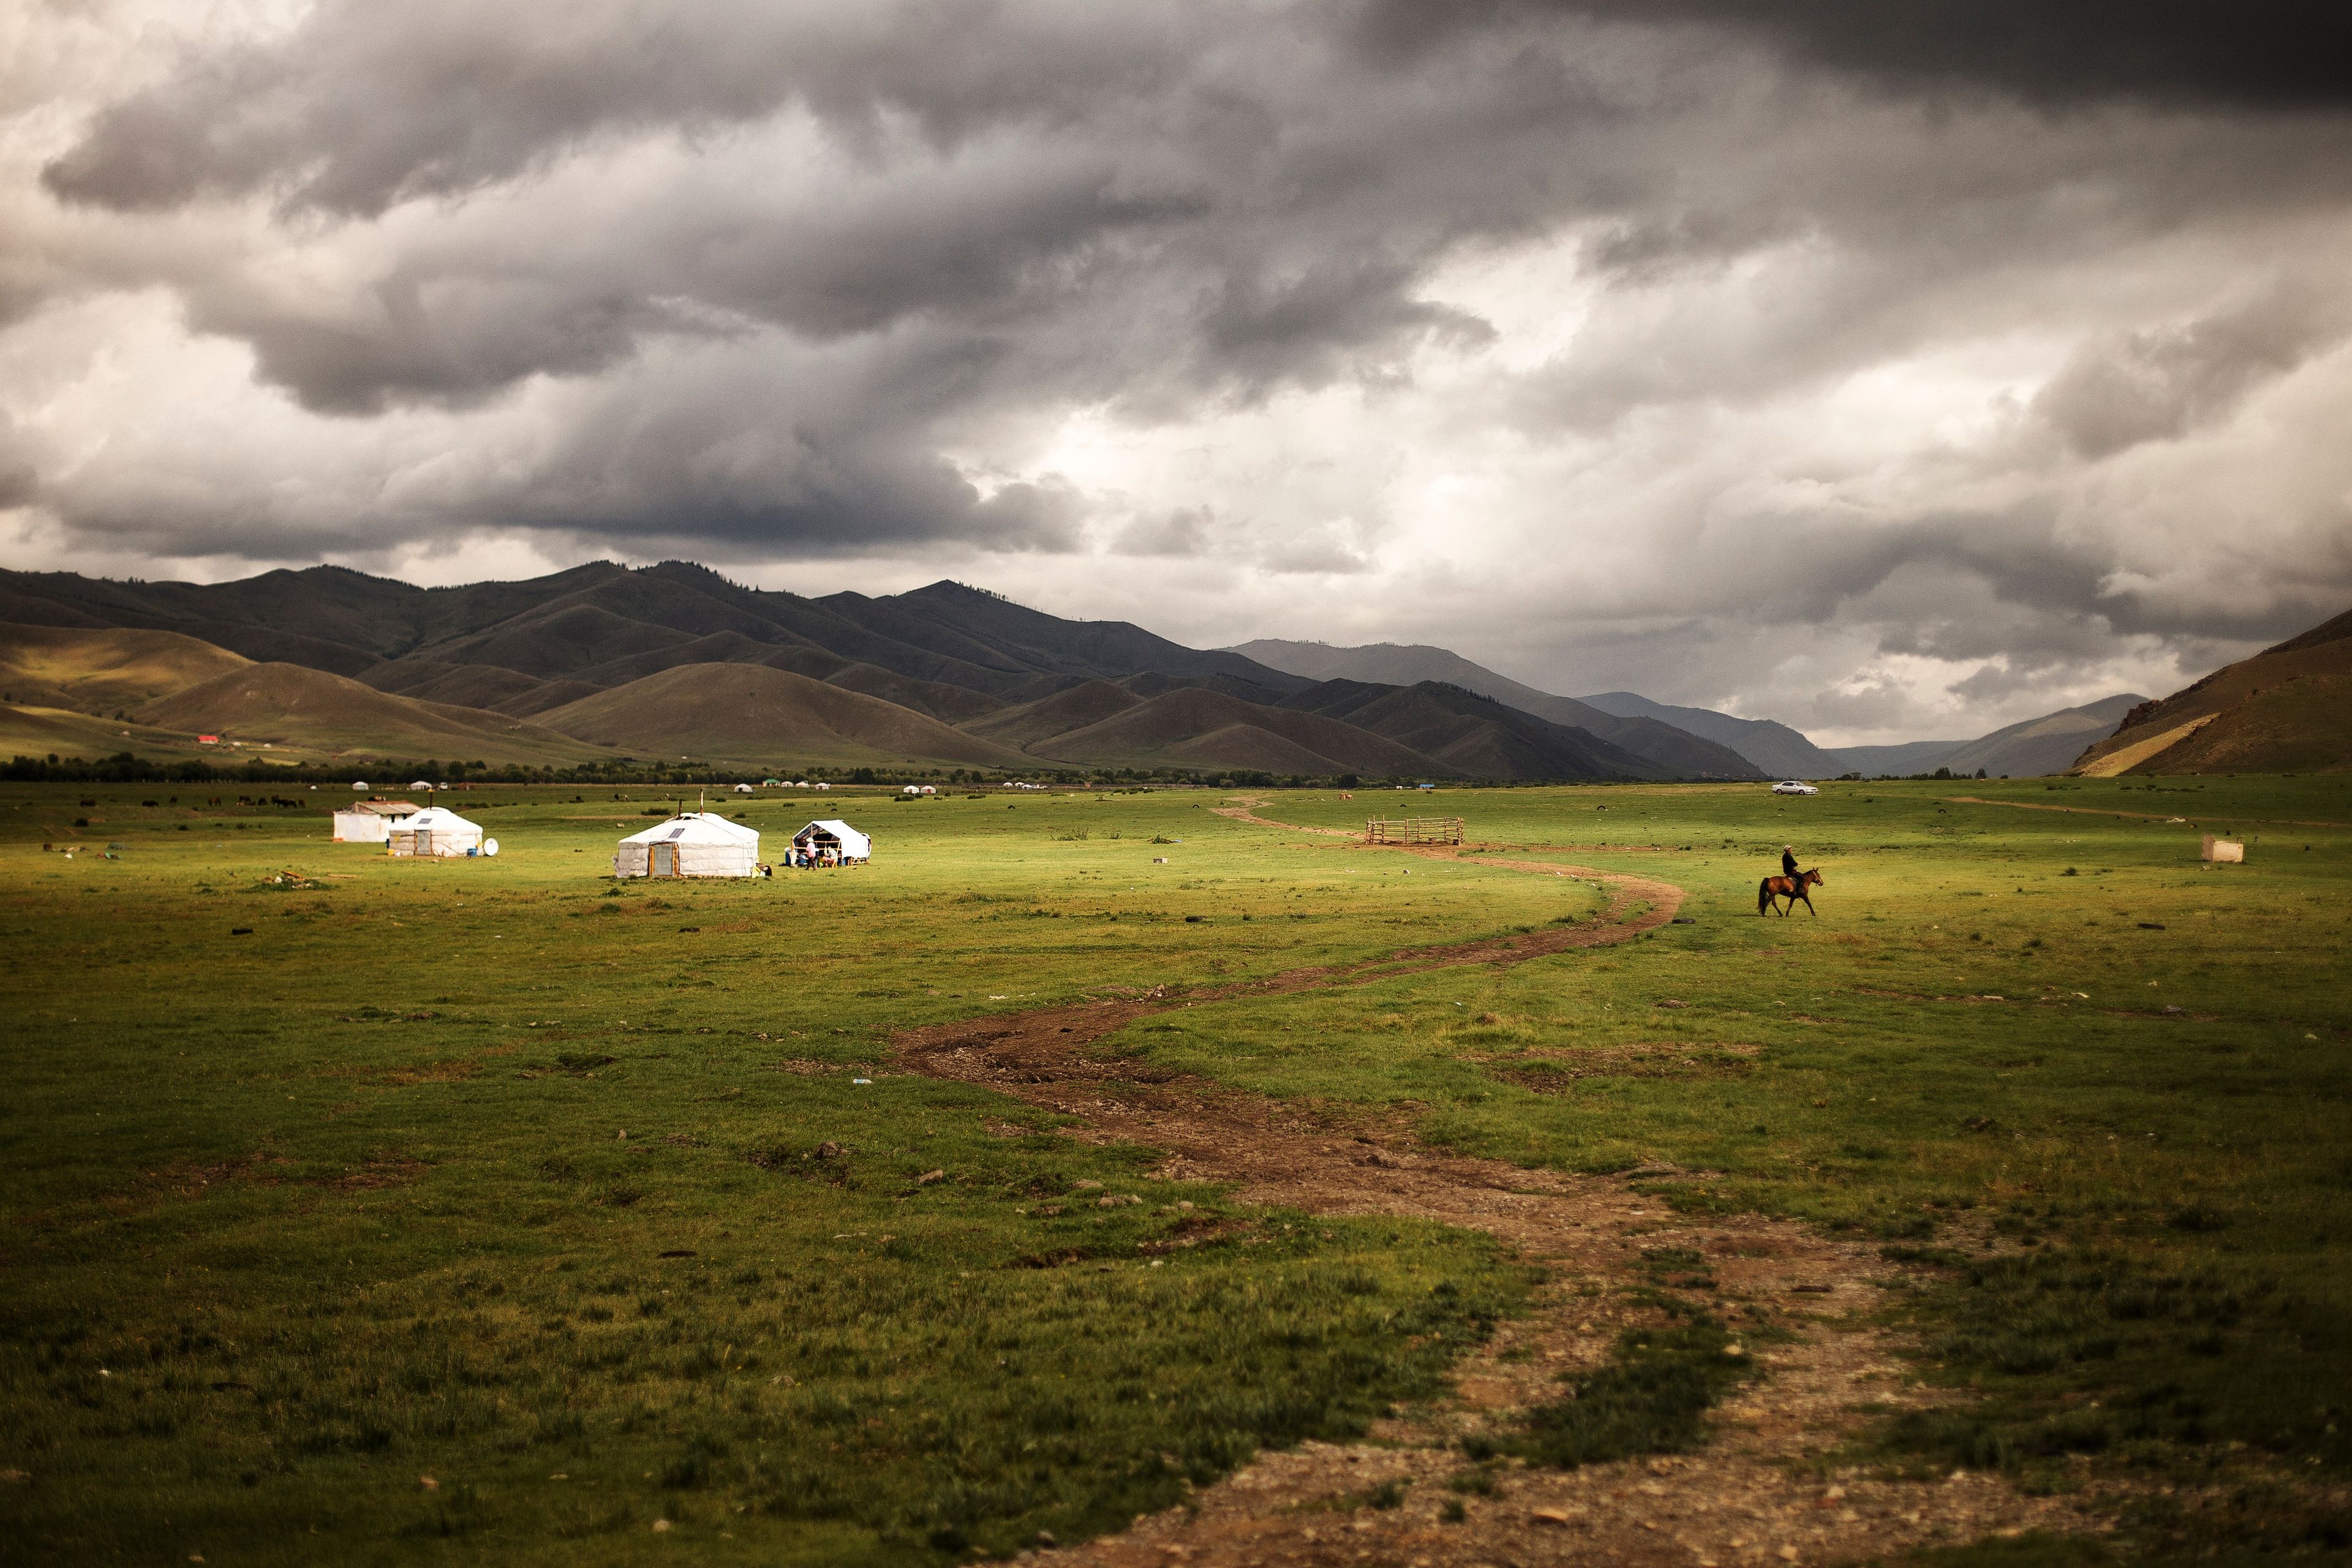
1413	830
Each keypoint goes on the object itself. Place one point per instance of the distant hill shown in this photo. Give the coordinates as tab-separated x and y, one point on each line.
311	710
751	713
1900	760
1475	735
36	731
1776	749
2286	710
2040	747
102	669
1200	727
1679	751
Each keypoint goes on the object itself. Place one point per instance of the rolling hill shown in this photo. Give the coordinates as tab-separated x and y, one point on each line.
287	705
1679	751
1475	735
773	717
2286	710
102	669
1199	727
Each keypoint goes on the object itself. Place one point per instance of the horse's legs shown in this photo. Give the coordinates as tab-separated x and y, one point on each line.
1809	905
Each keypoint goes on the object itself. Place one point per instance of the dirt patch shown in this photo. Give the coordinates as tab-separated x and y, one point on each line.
1745	1497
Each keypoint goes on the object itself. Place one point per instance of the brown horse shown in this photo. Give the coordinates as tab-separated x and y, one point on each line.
1773	889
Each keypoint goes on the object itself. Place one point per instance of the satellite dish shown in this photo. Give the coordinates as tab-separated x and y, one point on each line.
489	845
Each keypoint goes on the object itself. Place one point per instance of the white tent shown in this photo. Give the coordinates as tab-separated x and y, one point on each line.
362	827
436	831
693	843
370	821
847	845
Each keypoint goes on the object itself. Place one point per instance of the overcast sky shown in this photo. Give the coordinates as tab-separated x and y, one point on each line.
1891	370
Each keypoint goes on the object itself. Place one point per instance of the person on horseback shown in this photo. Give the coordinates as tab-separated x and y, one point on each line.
1791	884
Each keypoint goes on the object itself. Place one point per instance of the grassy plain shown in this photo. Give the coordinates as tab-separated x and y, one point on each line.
316	1184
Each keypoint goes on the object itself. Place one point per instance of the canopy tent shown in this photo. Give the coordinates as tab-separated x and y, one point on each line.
692	844
844	843
437	830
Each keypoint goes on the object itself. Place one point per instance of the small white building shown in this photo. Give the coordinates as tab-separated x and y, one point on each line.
370	821
438	832
832	843
692	844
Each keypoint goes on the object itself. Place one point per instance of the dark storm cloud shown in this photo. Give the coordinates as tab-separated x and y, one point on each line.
2264	55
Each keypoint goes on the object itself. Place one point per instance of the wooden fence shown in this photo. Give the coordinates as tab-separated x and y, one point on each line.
1413	830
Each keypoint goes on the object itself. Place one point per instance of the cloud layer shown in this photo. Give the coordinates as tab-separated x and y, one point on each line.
1885	380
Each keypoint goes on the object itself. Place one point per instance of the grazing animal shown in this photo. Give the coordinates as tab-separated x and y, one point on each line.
1773	889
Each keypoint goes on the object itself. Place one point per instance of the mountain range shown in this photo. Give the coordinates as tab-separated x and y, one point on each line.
2048	744
674	662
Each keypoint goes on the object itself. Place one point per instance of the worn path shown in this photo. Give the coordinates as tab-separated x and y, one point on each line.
1756	1493
2142	815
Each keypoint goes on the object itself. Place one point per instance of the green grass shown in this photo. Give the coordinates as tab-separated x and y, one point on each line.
343	1202
1650	1398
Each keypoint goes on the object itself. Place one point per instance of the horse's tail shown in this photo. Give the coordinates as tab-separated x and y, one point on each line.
1763	894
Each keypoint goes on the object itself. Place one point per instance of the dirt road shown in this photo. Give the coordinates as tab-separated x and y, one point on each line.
1757	1493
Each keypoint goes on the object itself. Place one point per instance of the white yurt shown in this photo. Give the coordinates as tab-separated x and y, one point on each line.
436	831
832	842
692	844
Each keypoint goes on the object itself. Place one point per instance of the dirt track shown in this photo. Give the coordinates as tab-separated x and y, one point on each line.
1754	1494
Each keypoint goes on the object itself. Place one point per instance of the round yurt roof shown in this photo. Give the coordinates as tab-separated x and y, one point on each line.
435	819
695	827
851	841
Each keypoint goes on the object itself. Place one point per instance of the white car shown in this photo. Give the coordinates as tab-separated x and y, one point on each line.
1794	786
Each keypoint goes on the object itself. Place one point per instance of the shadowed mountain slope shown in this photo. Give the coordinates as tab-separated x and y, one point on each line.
1680	751
1471	734
288	705
98	669
1090	702
752	713
1194	725
2286	710
1772	747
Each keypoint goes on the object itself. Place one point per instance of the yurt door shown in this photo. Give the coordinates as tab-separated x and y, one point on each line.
424	842
665	860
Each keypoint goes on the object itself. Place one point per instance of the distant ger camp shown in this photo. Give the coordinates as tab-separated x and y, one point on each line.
692	844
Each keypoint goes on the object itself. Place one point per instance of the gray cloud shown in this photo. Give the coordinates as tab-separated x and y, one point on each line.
2272	55
2157	383
1813	355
